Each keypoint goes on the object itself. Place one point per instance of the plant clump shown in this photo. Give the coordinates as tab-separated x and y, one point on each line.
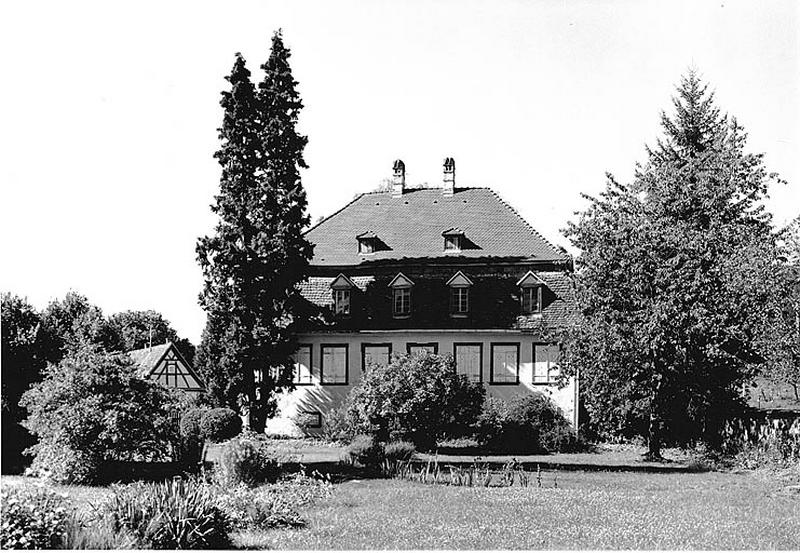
32	518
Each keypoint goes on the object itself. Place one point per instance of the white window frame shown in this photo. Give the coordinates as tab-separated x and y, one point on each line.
452	243
455	304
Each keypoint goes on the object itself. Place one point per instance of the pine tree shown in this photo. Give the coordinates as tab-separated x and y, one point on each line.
676	279
258	257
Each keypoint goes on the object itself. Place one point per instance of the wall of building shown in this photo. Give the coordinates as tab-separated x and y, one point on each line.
297	409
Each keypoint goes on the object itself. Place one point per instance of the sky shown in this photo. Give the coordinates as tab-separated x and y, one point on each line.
110	113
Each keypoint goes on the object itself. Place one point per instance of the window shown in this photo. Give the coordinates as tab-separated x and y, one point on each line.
504	367
366	245
468	359
401	302
341	301
309	419
452	243
532	299
545	363
303	372
459	301
375	354
334	364
414	348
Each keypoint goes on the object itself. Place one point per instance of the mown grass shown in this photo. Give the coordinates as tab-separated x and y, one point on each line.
587	510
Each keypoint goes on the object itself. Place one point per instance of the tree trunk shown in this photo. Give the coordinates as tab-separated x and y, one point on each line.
654	438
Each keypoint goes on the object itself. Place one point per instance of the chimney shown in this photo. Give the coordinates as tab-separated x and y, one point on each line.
449	176
399	178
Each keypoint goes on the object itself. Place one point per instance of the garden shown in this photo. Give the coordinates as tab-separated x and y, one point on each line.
416	458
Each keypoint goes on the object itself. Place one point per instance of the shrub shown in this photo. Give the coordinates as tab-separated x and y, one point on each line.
169	515
94	408
336	426
191	443
247	461
365	451
32	518
394	453
220	424
274	505
528	423
416	398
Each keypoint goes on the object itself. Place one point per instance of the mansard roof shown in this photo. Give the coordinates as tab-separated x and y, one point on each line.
411	225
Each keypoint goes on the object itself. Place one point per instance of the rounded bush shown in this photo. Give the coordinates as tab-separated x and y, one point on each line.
190	422
365	451
220	424
527	424
247	461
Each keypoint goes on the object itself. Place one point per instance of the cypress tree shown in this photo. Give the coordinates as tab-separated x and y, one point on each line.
258	256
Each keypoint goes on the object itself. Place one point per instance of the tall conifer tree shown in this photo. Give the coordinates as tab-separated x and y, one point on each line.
258	257
676	277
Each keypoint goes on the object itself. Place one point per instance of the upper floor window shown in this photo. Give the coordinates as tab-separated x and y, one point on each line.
401	302
341	301
368	242
531	287
459	301
453	240
532	299
401	295
459	294
342	287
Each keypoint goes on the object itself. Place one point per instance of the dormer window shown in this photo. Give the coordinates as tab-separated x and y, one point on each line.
401	296
531	287
459	294
368	242
342	287
453	240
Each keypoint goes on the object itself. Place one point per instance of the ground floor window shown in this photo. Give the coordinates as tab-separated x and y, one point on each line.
468	358
303	372
334	364
545	363
504	363
415	348
375	354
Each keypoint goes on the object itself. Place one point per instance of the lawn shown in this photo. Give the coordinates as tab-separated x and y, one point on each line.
588	510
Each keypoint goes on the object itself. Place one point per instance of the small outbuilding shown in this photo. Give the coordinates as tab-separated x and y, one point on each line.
165	364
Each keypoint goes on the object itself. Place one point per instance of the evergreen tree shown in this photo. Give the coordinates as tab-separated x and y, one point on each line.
676	277
258	257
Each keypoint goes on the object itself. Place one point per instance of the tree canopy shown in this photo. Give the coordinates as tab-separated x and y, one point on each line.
676	277
254	262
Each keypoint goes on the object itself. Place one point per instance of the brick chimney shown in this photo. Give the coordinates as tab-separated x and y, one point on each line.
399	178
449	176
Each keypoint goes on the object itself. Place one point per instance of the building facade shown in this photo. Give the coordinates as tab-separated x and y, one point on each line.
452	271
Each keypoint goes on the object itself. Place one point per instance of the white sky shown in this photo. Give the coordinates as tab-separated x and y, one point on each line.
110	111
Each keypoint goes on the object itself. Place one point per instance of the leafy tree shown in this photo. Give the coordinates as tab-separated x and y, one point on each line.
676	277
417	398
782	341
93	408
73	323
22	353
138	329
258	255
